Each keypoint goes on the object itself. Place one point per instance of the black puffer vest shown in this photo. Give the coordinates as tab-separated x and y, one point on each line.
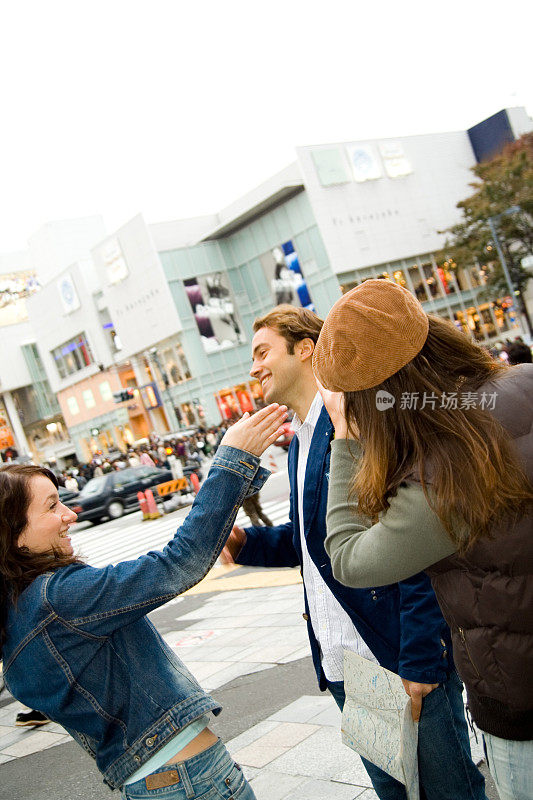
487	596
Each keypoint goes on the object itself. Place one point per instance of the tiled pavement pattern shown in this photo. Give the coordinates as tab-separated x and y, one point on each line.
236	633
295	753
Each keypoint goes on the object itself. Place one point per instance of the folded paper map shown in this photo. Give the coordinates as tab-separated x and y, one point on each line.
377	721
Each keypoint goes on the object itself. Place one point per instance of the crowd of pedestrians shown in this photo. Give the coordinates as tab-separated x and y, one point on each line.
191	450
513	351
411	479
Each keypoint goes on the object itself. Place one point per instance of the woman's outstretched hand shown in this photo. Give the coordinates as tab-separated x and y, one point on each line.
255	433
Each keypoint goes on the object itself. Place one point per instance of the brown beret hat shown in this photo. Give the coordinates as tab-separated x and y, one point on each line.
370	333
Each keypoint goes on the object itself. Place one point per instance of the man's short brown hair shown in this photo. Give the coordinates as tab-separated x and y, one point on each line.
293	323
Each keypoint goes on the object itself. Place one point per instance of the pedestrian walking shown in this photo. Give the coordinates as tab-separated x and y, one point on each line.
450	483
133	459
145	459
71	483
519	353
78	647
398	625
253	508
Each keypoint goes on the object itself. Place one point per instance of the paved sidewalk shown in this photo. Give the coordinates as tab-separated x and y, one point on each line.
297	753
293	753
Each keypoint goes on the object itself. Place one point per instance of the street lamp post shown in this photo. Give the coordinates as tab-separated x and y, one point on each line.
491	220
167	397
492	226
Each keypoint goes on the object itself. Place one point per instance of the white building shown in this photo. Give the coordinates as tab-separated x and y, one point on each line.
167	309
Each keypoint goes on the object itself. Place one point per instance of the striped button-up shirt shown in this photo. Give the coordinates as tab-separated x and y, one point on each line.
332	626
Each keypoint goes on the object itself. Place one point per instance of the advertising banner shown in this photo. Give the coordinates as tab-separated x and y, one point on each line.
213	307
68	294
285	277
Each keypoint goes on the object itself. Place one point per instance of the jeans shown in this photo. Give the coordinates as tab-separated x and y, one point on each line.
511	765
445	767
210	775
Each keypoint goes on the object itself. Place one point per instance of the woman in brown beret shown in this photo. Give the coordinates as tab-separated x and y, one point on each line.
432	468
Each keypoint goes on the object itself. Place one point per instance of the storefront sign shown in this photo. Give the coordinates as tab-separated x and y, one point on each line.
150	396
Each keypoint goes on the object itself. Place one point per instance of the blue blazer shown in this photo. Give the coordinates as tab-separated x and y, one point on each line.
401	623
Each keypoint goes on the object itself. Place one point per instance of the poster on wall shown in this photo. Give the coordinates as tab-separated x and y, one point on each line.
396	162
364	162
285	277
214	311
68	294
114	261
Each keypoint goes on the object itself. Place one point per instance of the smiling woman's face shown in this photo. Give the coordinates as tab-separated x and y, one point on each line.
48	520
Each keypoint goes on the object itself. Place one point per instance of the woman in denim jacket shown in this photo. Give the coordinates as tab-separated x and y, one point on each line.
77	644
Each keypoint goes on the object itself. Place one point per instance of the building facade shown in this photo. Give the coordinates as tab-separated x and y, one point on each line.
166	310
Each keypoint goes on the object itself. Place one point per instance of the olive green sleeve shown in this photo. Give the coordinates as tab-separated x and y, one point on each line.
407	538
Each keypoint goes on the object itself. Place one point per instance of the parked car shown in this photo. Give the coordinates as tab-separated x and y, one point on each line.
285	438
115	494
66	496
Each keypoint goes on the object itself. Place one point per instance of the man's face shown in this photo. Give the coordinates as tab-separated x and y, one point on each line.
274	367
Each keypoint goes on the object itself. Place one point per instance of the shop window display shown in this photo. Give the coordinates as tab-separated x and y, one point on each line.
234	401
175	364
432	280
418	283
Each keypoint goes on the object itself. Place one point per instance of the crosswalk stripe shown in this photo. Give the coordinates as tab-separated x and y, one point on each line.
111	545
110	540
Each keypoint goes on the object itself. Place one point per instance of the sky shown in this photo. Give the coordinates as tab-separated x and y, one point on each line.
175	108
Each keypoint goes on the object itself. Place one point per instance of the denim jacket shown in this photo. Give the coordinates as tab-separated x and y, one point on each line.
81	650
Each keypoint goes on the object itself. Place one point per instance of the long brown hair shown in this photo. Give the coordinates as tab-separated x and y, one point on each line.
19	567
462	454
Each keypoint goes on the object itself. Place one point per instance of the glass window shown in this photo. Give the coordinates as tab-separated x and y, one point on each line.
462	279
477	279
488	323
399	278
72	356
432	281
88	398
446	278
460	322
95	485
126	477
501	316
474	323
418	283
105	391
73	406
183	361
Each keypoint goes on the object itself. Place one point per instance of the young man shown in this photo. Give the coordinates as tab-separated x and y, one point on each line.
400	625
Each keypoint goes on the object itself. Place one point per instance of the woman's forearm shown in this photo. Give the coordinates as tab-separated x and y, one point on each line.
408	537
